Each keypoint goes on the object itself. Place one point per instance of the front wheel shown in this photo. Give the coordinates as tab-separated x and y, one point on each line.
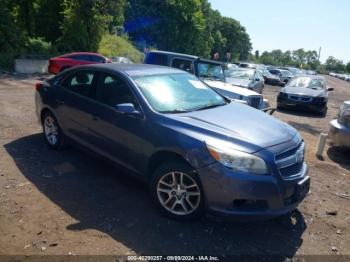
52	131
177	191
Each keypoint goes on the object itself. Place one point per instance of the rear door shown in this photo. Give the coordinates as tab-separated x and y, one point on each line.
75	100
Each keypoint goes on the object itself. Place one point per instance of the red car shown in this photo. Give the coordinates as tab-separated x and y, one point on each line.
60	63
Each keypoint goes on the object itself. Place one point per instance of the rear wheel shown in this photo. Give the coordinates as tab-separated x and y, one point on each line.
177	191
52	131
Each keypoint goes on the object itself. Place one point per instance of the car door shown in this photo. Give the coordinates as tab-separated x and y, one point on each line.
120	136
75	101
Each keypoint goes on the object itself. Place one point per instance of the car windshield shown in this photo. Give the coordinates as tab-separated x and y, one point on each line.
307	82
177	93
286	73
240	73
212	71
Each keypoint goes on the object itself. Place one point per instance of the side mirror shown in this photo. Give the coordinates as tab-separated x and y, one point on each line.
127	108
330	88
283	84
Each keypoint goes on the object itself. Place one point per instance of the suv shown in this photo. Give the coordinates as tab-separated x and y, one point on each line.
209	71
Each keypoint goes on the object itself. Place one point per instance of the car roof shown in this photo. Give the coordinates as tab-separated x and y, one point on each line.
185	56
134	69
82	53
173	53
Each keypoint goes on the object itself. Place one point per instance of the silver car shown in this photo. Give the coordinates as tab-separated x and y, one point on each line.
246	78
339	133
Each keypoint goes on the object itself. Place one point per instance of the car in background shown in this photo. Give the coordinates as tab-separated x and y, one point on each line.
198	151
209	71
305	92
121	60
269	78
339	132
284	75
245	77
60	63
311	72
293	70
247	65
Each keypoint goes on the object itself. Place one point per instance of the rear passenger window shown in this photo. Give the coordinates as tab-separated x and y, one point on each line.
97	59
182	64
81	83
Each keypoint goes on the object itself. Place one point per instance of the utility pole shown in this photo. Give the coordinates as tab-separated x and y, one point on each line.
319	53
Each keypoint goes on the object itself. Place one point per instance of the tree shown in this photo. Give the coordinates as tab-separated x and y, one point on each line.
348	67
333	64
85	21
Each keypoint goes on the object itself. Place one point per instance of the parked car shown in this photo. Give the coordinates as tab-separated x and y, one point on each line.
339	133
247	65
271	79
293	70
121	60
60	63
245	77
209	71
308	92
197	150
284	75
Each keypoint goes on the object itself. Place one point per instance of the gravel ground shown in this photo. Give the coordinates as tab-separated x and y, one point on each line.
70	202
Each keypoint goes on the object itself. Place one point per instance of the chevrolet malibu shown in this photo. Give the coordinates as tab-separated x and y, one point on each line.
198	151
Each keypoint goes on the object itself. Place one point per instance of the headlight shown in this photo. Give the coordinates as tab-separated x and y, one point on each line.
236	160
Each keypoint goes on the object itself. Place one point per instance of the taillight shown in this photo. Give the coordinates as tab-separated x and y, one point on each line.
38	85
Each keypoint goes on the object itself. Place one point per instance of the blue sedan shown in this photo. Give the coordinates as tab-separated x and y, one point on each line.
197	150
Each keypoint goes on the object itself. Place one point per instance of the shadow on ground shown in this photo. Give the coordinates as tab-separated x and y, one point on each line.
340	155
99	197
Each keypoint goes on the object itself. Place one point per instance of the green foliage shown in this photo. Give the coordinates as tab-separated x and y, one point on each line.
11	37
38	46
333	64
298	58
112	45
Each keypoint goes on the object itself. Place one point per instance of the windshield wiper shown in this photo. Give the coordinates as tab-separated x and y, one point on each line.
175	111
209	106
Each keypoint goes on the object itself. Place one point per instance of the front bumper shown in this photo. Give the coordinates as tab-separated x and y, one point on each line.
317	106
339	135
251	196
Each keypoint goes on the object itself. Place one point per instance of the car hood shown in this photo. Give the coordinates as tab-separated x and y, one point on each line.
238	81
230	88
248	129
303	91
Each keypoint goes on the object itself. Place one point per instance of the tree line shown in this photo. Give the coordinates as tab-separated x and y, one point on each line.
45	27
120	27
300	58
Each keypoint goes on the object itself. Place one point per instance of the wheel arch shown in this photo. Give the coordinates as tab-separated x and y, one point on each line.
163	156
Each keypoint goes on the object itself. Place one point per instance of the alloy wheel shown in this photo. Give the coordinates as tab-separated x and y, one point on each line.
178	193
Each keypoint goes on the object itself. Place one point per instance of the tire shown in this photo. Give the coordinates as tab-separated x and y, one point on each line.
324	110
52	132
172	197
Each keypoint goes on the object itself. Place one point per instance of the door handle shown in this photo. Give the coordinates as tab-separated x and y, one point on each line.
60	102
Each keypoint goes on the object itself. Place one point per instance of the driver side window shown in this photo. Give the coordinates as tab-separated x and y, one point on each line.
113	90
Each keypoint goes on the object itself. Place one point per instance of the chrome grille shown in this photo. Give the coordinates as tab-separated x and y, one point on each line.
300	98
291	162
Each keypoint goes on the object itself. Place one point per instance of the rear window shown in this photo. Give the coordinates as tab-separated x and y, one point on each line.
156	59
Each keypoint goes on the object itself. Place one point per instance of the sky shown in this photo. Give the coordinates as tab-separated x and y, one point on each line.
293	24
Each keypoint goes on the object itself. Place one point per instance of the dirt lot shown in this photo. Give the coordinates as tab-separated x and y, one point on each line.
69	202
